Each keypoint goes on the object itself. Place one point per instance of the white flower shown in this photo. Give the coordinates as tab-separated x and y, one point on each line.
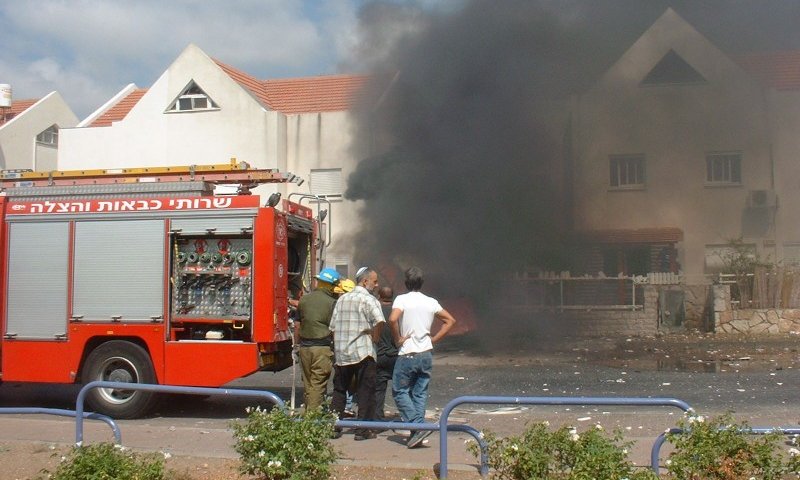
274	463
546	423
575	437
515	447
63	458
624	451
248	409
598	426
261	454
120	447
793	451
668	462
249	438
167	455
310	446
480	435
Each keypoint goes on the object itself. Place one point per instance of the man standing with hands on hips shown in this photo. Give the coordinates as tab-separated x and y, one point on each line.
411	320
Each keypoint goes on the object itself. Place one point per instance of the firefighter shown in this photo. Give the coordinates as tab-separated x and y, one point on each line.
313	336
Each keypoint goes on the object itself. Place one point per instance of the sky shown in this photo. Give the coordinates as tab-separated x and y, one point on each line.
89	50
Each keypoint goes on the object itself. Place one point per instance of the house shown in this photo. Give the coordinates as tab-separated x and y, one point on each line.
678	149
29	132
202	111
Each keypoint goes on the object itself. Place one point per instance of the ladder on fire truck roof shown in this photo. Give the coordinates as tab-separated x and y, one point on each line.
177	180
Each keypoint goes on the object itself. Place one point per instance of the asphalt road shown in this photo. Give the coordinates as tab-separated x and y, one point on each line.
754	386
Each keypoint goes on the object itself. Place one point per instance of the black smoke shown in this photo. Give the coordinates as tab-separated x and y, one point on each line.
461	132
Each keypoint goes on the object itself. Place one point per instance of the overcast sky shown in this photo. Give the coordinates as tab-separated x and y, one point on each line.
88	50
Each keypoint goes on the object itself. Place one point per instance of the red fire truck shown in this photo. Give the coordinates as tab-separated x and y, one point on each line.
144	275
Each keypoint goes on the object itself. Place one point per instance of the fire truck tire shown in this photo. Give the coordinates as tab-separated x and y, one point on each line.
120	361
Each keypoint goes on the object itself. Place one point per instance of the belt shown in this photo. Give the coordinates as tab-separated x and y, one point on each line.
412	355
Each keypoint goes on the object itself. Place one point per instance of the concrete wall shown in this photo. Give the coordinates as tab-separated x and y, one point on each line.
18	148
618	322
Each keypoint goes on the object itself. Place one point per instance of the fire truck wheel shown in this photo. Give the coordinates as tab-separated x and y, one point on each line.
120	361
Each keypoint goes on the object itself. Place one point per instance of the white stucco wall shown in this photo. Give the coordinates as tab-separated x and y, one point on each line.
148	136
322	140
18	149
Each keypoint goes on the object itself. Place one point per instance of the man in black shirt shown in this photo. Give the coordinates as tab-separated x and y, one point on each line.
387	355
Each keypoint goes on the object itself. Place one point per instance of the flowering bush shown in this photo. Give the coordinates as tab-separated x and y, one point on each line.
564	454
279	445
106	461
720	449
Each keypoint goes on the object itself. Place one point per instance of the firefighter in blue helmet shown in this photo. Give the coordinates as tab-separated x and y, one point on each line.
313	336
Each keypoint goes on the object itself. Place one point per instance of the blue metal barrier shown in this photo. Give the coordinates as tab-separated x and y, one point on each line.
630	402
370	425
67	413
655	452
162	389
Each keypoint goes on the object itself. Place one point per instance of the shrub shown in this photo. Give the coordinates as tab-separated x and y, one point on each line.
104	461
720	449
280	445
564	454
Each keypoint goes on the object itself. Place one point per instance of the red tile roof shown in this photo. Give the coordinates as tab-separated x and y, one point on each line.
120	110
779	70
325	93
639	235
17	107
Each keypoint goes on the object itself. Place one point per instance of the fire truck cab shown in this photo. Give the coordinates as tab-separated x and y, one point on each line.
144	275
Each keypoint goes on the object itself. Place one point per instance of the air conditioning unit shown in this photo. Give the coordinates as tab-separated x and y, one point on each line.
762	199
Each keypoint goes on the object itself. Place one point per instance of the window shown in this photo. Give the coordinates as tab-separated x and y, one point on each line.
49	136
627	171
724	168
673	70
791	254
192	98
326	183
340	263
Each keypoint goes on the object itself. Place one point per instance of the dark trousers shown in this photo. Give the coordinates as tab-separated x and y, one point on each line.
382	379
364	374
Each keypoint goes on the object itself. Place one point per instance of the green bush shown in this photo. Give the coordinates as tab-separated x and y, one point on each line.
104	461
721	450
564	454
280	445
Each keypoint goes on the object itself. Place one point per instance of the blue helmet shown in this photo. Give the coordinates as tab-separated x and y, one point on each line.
328	275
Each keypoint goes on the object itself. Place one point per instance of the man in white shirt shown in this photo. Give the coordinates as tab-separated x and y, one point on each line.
411	320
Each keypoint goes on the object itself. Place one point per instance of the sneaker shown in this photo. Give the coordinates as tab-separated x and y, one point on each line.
364	436
416	439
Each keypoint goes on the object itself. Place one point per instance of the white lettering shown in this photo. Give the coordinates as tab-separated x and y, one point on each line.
222	202
155	204
79	207
37	208
105	207
127	205
205	201
183	203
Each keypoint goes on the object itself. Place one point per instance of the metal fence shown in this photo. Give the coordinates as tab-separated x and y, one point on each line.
579	293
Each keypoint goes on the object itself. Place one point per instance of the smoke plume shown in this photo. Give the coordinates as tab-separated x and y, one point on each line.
461	132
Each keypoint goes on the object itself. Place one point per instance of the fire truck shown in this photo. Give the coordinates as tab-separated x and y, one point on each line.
145	275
